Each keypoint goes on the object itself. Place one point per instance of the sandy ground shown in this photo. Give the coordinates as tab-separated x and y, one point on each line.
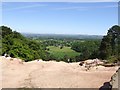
51	74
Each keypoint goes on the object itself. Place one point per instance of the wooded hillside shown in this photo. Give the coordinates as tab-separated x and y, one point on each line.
16	45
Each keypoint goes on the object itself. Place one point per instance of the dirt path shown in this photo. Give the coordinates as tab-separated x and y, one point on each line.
40	74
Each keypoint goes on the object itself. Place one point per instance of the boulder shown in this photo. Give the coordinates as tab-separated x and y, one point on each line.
115	80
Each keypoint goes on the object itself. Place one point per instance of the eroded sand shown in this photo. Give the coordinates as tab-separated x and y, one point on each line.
51	74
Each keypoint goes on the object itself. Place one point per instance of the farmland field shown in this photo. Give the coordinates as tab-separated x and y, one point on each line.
60	53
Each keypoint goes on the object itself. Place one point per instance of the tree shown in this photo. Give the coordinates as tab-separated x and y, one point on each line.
105	48
16	45
110	44
5	31
87	49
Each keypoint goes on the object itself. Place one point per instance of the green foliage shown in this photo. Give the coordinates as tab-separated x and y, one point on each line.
105	48
112	59
63	54
87	48
5	31
110	45
16	45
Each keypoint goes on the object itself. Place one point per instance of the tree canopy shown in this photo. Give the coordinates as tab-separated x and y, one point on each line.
16	45
110	45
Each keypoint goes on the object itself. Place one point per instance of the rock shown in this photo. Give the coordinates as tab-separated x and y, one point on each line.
89	61
108	65
81	63
115	79
89	64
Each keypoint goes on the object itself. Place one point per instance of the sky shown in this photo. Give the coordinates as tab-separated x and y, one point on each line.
91	18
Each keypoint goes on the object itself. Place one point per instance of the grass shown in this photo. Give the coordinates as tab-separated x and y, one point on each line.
60	53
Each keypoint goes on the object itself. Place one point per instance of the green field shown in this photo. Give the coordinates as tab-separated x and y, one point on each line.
60	53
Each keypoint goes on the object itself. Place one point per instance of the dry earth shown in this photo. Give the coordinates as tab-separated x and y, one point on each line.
51	74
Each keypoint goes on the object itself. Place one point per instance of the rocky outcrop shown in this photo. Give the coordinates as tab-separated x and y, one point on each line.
88	64
115	80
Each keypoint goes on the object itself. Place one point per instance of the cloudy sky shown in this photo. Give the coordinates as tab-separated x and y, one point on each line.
93	18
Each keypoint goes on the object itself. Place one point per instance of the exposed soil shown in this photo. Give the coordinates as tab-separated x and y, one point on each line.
51	74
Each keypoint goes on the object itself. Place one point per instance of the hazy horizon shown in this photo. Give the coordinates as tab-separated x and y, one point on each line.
57	33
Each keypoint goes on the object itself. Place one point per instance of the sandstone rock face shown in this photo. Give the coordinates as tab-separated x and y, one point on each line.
50	74
115	80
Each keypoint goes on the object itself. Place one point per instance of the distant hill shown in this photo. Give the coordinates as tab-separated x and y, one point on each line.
62	36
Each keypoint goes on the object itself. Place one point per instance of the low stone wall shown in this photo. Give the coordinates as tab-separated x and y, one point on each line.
115	80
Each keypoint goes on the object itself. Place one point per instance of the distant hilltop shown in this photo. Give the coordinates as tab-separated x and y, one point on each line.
62	36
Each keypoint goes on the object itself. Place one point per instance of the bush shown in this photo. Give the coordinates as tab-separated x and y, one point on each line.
112	59
16	45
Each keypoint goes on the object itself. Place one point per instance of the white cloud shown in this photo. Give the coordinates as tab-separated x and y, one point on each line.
28	6
85	8
62	8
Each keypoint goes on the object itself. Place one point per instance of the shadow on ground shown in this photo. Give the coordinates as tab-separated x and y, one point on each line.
106	86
